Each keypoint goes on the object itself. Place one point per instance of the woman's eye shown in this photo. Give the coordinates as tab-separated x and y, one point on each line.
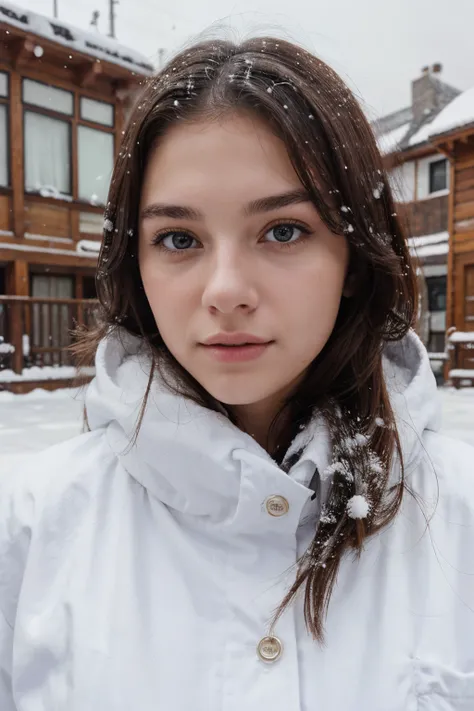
284	234
176	241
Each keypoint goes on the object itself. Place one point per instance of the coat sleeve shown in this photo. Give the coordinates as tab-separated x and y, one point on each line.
16	516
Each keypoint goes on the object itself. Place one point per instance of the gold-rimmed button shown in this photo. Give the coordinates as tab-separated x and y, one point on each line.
277	505
269	649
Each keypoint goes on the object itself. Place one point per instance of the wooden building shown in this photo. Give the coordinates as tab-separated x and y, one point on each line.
64	94
452	133
441	221
420	177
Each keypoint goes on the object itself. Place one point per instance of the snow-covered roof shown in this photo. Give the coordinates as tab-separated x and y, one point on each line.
432	250
389	142
457	114
406	128
429	245
91	43
422	135
426	240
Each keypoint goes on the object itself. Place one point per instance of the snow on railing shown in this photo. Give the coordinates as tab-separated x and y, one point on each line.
460	346
461	337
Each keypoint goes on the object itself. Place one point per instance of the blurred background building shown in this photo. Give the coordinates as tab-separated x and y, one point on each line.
64	94
429	152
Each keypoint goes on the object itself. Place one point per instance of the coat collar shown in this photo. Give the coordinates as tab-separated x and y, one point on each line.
192	459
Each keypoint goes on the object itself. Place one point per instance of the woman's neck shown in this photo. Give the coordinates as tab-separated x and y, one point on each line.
257	418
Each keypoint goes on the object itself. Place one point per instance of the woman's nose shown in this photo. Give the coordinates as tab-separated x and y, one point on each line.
230	285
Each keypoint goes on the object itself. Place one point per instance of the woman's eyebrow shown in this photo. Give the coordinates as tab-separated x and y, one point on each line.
177	212
273	202
266	204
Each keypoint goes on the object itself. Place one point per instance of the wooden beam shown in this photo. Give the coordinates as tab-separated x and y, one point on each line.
17	278
446	149
450	282
415	197
88	73
49	258
16	155
22	50
450	285
74	214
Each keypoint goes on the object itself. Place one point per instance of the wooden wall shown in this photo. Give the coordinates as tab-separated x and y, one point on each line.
461	220
425	217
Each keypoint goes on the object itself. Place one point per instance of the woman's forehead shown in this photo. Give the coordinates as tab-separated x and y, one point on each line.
234	159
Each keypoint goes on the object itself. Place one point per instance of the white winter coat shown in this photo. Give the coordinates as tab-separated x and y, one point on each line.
141	577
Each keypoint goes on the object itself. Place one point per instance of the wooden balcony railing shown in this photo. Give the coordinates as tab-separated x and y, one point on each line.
461	362
38	331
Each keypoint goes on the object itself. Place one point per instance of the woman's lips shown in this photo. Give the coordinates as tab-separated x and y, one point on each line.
238	353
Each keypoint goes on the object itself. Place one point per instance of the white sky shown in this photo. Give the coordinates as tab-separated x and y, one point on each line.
379	46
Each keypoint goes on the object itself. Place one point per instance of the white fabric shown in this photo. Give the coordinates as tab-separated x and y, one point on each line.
142	575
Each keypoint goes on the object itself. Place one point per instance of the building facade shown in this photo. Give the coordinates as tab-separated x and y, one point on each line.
64	95
421	181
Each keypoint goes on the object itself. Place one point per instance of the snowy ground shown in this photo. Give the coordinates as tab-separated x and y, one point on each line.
29	423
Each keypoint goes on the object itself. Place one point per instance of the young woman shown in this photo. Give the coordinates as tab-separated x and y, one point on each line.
262	513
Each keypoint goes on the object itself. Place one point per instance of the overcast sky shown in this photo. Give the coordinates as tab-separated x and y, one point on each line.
379	46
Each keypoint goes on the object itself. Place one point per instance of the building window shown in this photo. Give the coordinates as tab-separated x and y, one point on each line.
96	160
54	124
97	111
438	175
48	97
47	139
4	132
47	155
436	293
436	343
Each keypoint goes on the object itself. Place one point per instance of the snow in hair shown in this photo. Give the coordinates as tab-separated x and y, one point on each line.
357	507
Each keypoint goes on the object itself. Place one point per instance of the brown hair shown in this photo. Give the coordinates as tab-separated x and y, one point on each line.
333	151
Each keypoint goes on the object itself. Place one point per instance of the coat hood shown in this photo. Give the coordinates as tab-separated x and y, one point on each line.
192	458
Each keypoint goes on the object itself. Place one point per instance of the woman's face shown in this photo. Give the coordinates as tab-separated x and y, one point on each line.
243	277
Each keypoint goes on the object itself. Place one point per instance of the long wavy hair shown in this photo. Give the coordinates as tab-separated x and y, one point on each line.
334	153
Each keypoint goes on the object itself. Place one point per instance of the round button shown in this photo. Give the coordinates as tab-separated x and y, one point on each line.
277	505
269	649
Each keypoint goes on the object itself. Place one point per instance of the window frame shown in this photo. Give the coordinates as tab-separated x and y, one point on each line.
97	123
5	101
51	86
74	120
57	117
430	176
434	281
93	127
